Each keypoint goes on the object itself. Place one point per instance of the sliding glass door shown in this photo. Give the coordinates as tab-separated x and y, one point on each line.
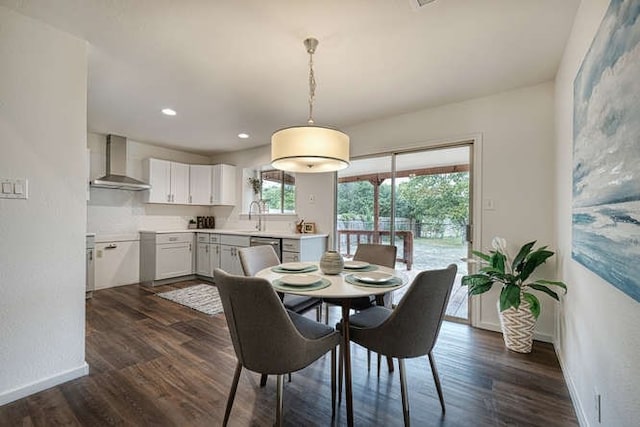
421	201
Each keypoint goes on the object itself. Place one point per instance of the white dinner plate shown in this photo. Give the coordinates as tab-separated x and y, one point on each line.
294	266
300	279
356	264
373	277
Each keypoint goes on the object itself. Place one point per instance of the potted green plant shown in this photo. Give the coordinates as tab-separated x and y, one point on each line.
519	309
256	184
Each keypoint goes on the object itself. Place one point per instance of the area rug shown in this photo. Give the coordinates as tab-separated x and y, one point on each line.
203	298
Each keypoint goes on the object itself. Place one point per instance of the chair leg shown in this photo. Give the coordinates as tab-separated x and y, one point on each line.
333	382
403	391
326	313
340	373
279	401
436	378
319	313
232	393
389	363
369	361
289	376
263	380
379	363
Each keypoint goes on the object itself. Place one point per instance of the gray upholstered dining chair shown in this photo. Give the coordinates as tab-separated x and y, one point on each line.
267	338
384	255
256	258
411	329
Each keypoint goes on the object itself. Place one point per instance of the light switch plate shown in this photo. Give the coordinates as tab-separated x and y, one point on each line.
14	188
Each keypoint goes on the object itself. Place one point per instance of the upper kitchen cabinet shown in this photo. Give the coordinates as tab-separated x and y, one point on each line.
200	184
224	185
169	181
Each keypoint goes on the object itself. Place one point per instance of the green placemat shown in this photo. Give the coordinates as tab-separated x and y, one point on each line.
278	269
369	267
395	281
321	284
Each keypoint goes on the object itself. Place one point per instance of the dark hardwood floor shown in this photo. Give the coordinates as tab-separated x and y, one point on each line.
156	363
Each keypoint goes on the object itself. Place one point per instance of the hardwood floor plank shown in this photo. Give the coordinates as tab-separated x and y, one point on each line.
157	363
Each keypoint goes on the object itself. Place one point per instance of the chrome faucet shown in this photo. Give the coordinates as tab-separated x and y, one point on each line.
262	206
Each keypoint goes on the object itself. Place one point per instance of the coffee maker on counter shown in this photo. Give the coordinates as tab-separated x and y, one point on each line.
205	222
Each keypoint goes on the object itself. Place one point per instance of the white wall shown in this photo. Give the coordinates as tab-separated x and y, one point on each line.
43	93
517	133
598	338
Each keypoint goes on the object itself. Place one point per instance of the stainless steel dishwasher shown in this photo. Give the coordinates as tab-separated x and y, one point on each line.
275	243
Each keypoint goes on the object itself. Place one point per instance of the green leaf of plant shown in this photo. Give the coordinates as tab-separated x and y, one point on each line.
479	289
544	289
482	255
516	265
497	261
509	297
533	303
475	280
533	260
550	282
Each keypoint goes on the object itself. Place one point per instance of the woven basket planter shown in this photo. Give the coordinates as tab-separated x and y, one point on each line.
517	327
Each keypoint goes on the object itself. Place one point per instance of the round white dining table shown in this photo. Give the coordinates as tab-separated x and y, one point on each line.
345	292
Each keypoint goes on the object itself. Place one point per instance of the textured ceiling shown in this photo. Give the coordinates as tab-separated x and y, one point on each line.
240	66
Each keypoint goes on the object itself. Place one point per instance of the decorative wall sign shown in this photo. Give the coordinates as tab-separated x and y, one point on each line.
606	151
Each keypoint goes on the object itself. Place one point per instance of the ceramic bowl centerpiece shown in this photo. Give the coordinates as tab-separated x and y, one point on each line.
331	263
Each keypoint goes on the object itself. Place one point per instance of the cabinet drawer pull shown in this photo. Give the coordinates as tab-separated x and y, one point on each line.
173	239
111	246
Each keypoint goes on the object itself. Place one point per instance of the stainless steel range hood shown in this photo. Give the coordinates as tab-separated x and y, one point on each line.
116	177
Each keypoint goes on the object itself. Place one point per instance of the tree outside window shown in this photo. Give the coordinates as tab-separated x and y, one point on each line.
278	191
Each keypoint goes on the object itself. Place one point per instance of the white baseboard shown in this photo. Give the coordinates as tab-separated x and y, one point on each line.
34	387
583	420
496	327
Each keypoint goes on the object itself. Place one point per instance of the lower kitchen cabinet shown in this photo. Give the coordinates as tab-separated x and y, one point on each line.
229	257
207	254
304	249
165	256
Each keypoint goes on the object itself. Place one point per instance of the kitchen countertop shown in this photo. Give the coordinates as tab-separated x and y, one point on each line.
274	234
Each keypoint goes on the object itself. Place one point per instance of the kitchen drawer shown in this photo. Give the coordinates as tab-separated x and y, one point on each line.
291	245
290	257
174	238
234	240
203	237
214	238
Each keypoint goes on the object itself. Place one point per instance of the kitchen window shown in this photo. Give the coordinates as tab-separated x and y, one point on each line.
278	190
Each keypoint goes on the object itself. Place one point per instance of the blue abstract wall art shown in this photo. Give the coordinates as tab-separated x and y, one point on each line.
606	151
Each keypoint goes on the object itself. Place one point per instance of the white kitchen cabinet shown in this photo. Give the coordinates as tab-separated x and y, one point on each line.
165	256
207	254
169	181
304	249
173	260
229	257
200	184
179	183
224	185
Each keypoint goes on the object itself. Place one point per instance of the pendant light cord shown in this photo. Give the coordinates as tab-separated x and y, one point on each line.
312	86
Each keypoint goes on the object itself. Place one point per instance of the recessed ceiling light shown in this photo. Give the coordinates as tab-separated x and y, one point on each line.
168	112
243	135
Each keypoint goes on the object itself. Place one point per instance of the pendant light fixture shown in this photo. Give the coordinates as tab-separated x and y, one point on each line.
310	148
